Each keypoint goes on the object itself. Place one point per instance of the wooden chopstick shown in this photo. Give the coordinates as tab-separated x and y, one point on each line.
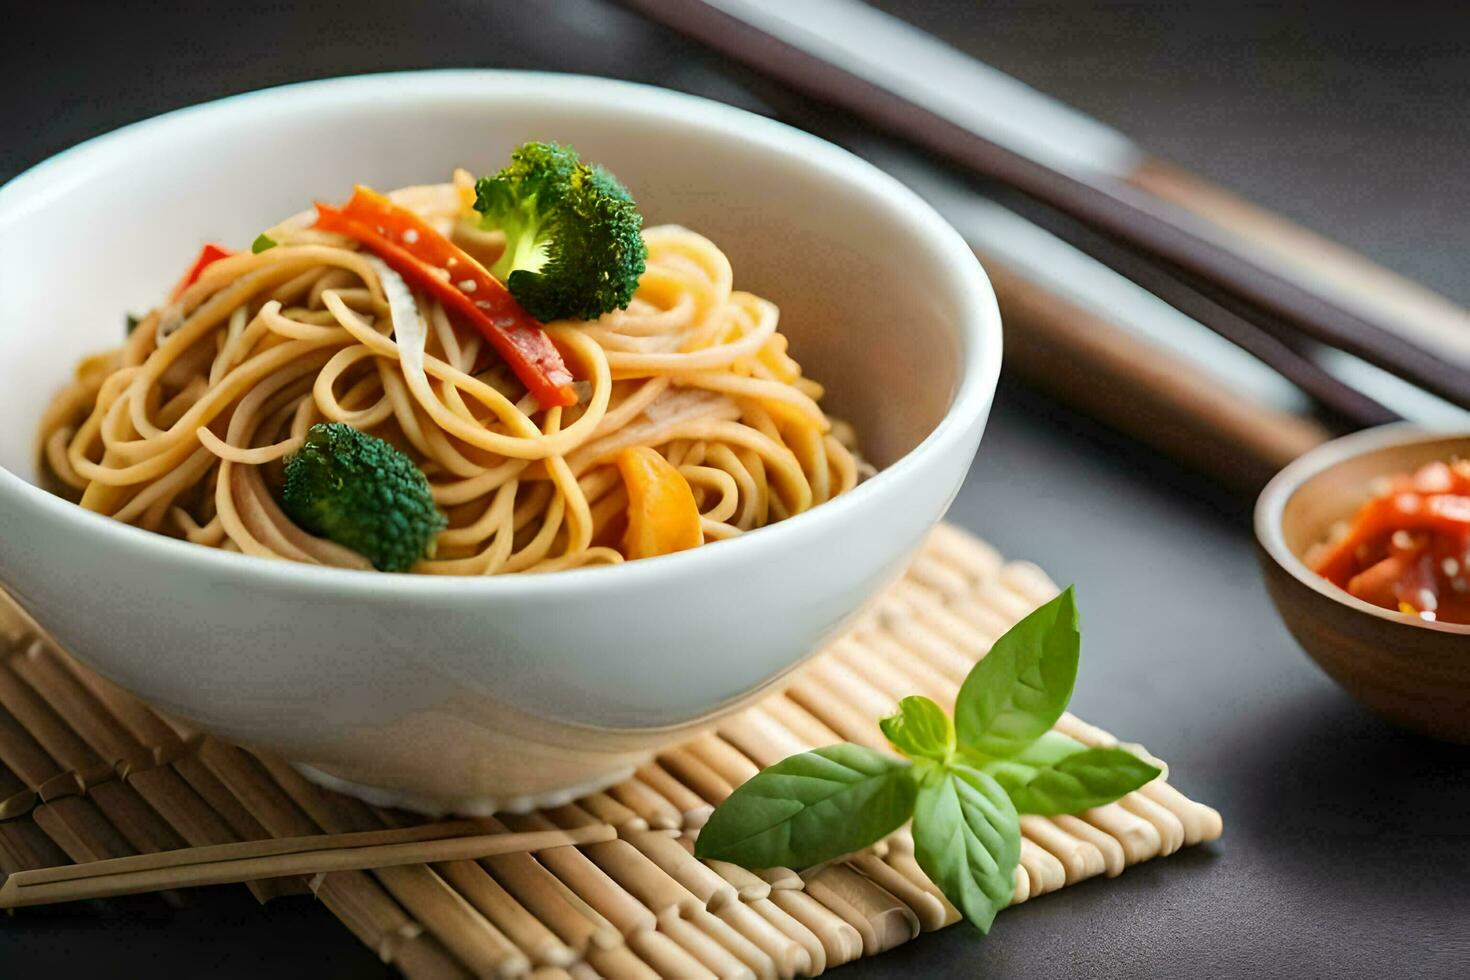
1161	231
1208	307
1155	395
1345	403
249	860
1412	306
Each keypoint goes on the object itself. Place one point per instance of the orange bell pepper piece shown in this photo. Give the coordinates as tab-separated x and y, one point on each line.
662	515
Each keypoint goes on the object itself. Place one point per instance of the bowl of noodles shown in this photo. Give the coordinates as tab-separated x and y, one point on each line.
465	437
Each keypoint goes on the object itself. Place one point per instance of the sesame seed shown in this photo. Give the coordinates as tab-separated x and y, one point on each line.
411	236
483	304
468	285
1451	567
1402	540
1407	502
451	262
1428	602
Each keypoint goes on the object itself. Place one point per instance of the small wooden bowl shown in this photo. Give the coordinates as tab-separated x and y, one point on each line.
1413	672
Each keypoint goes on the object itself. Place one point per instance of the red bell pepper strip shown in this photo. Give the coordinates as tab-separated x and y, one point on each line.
433	263
208	255
1402	511
1408	548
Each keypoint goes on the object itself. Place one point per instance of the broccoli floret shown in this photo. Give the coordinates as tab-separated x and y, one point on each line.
362	493
573	242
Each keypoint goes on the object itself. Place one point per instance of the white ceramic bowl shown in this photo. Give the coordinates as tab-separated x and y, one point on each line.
477	693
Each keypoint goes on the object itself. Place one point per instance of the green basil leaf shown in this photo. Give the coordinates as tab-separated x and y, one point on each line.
1016	770
1052	747
920	730
810	808
967	838
1021	687
1081	781
261	243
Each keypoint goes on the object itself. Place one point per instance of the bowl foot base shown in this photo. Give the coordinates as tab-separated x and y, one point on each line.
467	806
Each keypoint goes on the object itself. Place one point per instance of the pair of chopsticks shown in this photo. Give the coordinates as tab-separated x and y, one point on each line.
1158	245
251	860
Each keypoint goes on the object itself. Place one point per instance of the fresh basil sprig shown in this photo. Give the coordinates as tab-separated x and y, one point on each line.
964	782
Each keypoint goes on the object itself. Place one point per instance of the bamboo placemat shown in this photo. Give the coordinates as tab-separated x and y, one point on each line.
88	773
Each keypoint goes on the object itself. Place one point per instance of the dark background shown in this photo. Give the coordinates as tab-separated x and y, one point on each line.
1347	845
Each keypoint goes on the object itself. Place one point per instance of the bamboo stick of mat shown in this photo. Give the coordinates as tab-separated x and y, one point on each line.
245	861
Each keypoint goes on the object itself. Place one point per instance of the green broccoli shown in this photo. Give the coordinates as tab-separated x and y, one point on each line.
364	494
573	243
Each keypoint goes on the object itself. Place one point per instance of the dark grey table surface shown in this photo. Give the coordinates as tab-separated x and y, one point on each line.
1347	847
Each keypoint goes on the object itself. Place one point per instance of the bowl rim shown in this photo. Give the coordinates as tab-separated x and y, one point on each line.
1271	507
978	321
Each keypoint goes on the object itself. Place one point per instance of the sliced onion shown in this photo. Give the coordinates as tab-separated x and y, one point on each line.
410	330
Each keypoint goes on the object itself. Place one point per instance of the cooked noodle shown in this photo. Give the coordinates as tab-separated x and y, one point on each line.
183	429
